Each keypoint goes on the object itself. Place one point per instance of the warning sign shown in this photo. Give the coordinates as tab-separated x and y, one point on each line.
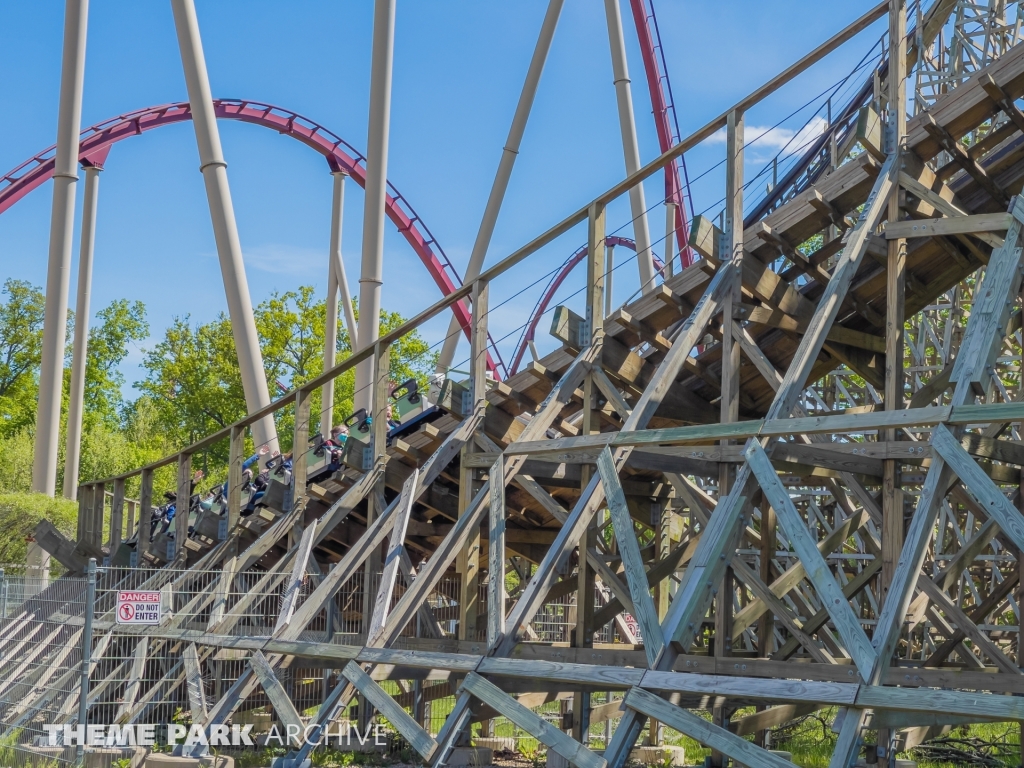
138	608
634	626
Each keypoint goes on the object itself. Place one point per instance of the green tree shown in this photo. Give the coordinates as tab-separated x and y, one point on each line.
121	323
193	381
21	341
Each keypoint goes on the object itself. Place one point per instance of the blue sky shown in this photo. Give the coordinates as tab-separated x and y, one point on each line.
457	74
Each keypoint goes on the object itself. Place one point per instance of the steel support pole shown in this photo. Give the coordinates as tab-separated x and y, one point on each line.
222	214
76	397
338	263
336	280
630	147
501	178
86	670
58	270
379	127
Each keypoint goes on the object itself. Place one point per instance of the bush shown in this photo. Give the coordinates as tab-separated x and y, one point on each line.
17	451
19	514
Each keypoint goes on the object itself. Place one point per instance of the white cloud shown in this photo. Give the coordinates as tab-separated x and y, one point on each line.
279	259
776	139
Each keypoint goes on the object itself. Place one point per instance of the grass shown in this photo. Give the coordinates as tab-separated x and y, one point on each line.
812	742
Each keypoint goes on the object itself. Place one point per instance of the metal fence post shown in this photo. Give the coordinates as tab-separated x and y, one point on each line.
3	595
90	609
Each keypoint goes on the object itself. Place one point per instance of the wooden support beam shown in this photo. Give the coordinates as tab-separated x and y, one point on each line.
410	730
194	683
116	518
298	576
283	706
780	611
941	601
796	572
815	622
1002	99
392	561
699	729
577	755
131	689
958	225
770	718
837	333
979	485
961	157
145	508
984	331
181	505
636	577
977	615
496	557
300	446
236	457
46	535
791	252
817	570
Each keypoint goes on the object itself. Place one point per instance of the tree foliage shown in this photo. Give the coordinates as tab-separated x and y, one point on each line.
192	384
108	446
21	342
121	323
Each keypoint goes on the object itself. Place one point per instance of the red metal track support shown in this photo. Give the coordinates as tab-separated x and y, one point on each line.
664	113
97	140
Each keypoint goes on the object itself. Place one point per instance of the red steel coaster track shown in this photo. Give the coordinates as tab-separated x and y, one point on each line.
96	141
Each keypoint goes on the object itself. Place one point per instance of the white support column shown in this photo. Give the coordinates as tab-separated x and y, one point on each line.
336	279
371	277
630	147
508	160
222	214
62	217
338	263
76	397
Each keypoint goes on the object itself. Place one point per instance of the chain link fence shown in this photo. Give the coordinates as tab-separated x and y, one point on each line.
133	677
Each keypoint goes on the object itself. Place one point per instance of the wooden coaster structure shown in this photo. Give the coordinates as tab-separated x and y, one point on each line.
763	537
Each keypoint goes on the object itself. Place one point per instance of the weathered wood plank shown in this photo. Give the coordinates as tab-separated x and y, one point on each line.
392	560
739	749
536	726
636	577
496	557
131	689
278	696
586	674
954	225
979	485
194	683
294	583
411	731
817	570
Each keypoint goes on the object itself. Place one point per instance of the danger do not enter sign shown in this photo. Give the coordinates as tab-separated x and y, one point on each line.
138	608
